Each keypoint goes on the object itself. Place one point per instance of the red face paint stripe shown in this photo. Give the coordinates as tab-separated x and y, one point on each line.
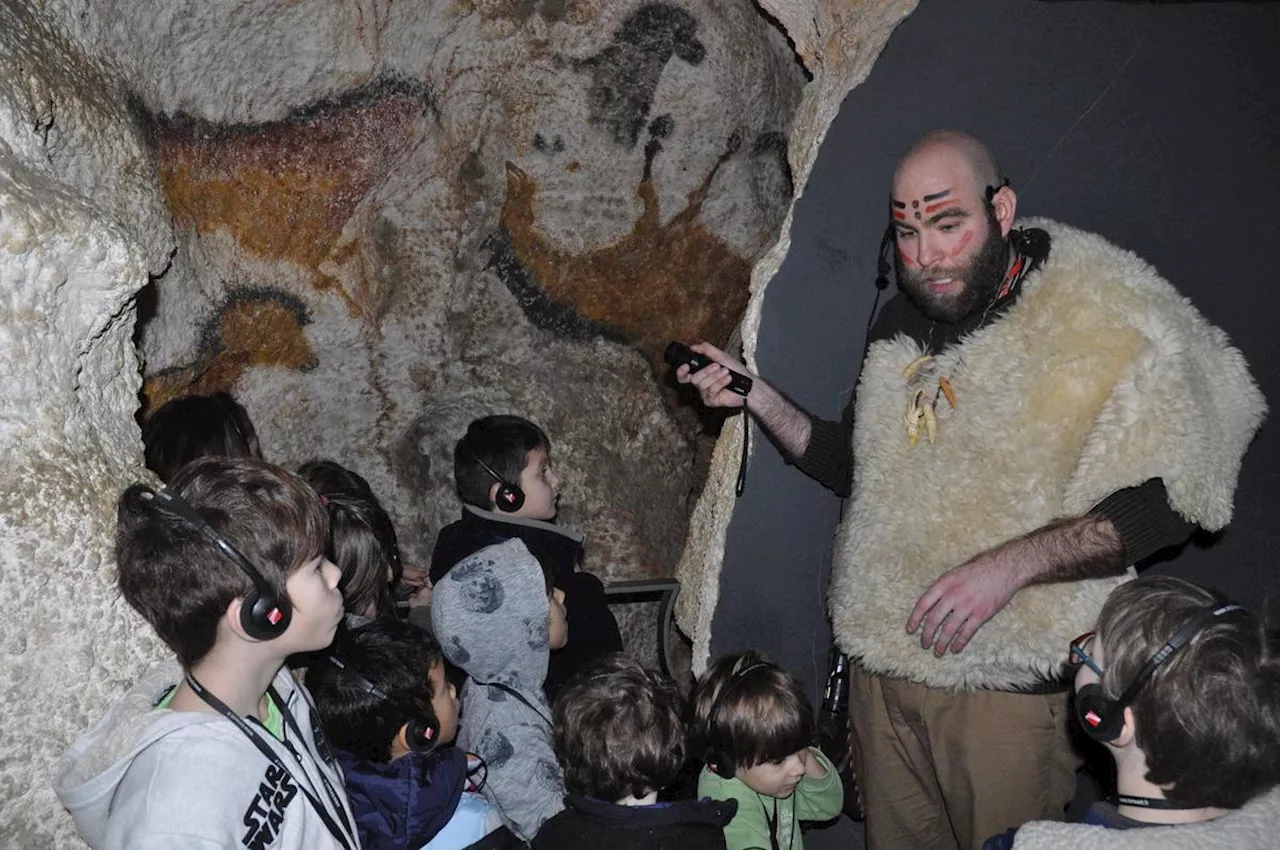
940	205
905	258
899	215
964	243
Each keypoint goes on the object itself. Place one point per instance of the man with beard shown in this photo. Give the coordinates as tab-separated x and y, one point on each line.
1038	410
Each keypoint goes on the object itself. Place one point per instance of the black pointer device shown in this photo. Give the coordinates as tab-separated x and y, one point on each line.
678	353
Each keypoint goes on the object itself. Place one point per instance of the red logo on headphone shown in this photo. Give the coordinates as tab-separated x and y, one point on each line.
1093	718
275	616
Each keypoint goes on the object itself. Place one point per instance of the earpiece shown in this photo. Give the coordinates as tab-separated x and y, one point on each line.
421	735
1101	717
262	615
509	497
992	190
720	761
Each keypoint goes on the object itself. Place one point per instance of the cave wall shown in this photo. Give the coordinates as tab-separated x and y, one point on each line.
433	212
372	222
82	226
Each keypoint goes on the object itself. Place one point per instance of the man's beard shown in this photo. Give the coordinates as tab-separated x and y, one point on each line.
982	278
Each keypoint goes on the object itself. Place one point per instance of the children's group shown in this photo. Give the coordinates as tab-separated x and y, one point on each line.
323	694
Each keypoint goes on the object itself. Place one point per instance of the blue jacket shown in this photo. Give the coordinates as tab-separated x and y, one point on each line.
405	802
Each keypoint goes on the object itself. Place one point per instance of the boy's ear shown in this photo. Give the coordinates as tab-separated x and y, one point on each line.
493	495
400	743
233	620
1128	732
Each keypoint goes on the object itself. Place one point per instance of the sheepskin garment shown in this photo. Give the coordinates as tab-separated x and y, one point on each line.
1100	377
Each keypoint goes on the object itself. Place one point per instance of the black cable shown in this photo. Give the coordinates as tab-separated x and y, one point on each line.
746	450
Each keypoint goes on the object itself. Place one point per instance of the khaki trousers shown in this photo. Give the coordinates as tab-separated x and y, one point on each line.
945	771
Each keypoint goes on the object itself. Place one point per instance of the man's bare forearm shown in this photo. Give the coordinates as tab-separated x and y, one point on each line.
785	423
1071	550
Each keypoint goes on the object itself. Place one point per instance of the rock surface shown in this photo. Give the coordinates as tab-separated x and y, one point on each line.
839	42
82	226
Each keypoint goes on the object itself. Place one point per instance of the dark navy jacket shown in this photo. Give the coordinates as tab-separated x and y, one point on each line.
405	802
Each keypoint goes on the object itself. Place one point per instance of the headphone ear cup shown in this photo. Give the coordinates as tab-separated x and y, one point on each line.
263	617
1100	717
422	736
721	764
509	498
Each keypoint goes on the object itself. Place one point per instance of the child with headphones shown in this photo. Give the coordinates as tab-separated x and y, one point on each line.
391	716
498	616
502	468
223	748
620	737
756	726
362	540
1182	688
193	426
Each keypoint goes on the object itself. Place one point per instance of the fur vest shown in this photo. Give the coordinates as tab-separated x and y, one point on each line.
1099	377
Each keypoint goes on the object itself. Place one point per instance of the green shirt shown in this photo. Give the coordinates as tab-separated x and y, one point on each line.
274	721
814	799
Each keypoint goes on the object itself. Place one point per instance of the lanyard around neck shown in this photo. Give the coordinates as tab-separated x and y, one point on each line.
1151	803
343	837
772	822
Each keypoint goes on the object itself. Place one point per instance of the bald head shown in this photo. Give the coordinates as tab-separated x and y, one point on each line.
960	154
951	234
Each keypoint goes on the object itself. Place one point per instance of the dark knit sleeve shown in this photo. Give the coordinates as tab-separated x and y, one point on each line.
1144	519
828	459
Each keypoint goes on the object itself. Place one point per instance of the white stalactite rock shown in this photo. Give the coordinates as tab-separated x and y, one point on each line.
81	229
839	42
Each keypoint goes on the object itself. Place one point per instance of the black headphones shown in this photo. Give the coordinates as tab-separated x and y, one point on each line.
1101	717
719	760
262	615
421	734
509	497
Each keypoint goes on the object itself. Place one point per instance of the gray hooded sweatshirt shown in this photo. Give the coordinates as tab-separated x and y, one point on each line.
147	777
491	615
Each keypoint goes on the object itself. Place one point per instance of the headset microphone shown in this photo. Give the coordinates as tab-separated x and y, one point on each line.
883	266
